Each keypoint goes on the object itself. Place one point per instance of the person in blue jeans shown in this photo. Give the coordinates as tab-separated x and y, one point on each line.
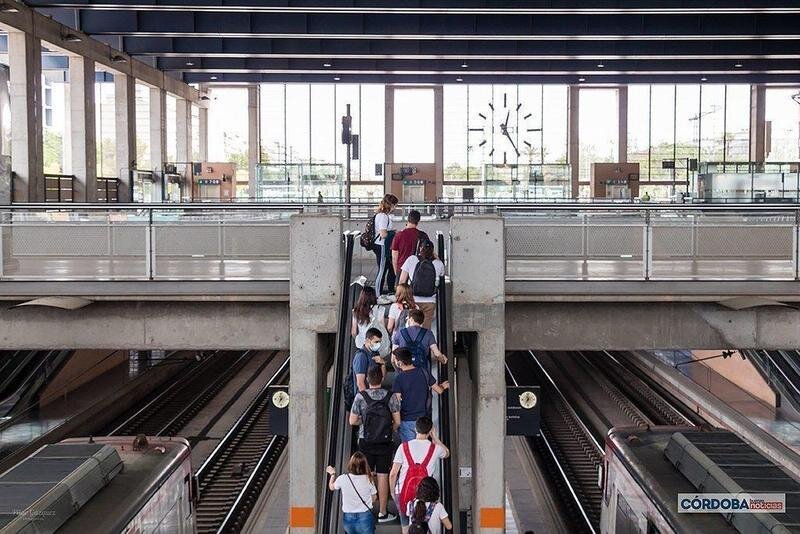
358	495
412	386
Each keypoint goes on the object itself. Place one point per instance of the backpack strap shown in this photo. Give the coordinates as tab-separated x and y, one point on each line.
360	498
405	336
420	335
407	453
428	456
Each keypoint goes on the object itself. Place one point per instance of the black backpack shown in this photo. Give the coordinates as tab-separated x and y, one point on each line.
424	282
367	239
377	419
348	394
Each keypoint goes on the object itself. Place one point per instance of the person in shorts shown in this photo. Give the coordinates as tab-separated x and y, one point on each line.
378	450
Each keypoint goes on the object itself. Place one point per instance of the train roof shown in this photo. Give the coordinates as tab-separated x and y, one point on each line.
651	457
144	471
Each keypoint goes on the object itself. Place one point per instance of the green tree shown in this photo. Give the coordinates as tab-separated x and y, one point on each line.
53	152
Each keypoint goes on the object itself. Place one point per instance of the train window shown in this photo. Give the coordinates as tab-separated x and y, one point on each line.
625	521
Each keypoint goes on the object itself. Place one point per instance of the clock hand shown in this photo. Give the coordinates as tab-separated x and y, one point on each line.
512	142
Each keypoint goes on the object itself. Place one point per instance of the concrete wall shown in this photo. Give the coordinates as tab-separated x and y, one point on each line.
82	367
653	325
148	325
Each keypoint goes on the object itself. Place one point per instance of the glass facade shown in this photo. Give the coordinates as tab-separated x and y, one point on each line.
143	162
105	129
783	124
227	131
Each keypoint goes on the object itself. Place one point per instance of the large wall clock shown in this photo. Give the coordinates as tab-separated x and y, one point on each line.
506	129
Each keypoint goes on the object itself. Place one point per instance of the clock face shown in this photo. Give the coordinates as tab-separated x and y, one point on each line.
504	128
280	399
528	400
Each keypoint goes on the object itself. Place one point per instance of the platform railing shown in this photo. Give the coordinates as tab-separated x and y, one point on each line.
543	241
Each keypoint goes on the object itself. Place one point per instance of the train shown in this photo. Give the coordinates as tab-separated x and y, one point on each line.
126	484
645	470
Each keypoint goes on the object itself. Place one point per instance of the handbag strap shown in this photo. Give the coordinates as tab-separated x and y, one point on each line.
360	498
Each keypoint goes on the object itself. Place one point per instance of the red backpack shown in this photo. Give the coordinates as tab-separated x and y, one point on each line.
416	472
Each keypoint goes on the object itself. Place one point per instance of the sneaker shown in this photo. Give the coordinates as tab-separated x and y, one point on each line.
386	299
386	518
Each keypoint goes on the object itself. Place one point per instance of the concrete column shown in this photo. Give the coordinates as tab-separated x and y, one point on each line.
158	143
314	294
622	121
479	306
253	137
5	149
758	123
125	111
203	133
25	62
82	128
573	115
438	137
183	128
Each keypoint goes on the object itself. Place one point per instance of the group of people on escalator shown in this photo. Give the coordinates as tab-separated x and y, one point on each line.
398	448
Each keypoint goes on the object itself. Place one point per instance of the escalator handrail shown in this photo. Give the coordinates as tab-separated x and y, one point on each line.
339	359
443	339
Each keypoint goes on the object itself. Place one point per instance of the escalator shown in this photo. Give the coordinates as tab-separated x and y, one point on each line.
781	370
24	374
340	444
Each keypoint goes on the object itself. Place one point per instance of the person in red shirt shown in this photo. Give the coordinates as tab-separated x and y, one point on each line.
405	241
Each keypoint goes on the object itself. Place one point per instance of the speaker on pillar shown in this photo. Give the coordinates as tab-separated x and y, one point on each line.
356	145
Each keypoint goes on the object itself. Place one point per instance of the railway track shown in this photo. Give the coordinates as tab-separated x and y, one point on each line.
180	401
232	477
584	396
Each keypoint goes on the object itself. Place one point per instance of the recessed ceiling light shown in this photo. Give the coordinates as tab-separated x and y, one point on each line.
189	64
738	65
213	77
464	65
703	79
336	78
326	64
459	79
581	79
600	65
117	58
73	38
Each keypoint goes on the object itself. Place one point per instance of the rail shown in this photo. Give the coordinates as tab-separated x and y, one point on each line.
329	517
445	416
572	241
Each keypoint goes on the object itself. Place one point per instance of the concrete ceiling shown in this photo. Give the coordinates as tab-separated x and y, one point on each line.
445	41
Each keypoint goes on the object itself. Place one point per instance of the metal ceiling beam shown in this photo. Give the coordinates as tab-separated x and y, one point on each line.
454	27
430	8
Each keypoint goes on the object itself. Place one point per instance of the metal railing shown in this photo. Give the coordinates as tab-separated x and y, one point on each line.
543	241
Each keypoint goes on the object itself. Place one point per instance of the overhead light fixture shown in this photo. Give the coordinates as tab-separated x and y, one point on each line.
581	79
117	58
214	77
600	65
464	65
704	79
72	38
459	79
738	66
189	64
326	64
6	7
336	78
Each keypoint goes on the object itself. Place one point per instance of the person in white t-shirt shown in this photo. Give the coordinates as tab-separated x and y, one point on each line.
358	495
419	448
426	303
384	233
426	513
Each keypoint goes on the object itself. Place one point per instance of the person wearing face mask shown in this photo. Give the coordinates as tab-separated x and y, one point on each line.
376	413
365	358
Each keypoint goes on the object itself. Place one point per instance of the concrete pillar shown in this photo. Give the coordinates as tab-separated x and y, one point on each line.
479	306
183	128
758	123
622	121
253	137
573	116
125	110
158	143
203	133
5	149
314	294
25	62
82	128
